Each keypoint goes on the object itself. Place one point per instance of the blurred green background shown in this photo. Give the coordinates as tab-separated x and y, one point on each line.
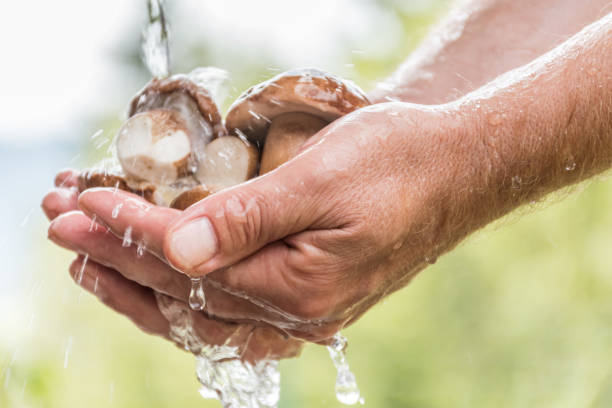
520	315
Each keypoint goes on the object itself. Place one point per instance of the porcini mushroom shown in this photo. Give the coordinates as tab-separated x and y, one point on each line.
283	112
90	178
187	198
162	143
171	121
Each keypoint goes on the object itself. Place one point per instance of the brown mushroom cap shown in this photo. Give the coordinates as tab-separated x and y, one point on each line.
98	178
158	94
170	123
304	90
189	197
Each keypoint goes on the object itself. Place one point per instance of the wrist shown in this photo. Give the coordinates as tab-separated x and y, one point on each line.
445	168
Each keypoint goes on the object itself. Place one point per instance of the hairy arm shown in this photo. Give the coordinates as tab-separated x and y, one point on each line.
481	39
541	127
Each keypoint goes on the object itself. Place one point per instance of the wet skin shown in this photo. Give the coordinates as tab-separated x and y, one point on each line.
126	282
371	200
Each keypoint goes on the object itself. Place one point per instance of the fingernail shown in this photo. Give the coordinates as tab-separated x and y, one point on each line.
194	243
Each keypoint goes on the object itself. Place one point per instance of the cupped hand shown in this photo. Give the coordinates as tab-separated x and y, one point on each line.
370	201
128	280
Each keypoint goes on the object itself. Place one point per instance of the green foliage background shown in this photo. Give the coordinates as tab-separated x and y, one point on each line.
519	315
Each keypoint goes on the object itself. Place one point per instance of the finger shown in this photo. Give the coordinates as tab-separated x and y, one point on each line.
232	224
120	211
59	201
76	232
67	178
122	295
142	307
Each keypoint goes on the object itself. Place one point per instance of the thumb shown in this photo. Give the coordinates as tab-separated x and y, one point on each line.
234	223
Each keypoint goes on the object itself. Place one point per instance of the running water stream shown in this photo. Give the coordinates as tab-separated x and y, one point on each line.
219	368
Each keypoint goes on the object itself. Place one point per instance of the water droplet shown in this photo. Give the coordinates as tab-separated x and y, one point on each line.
111	396
116	210
570	167
141	249
255	115
26	218
82	270
96	134
347	391
431	259
100	143
127	237
93	224
197	299
67	351
7	377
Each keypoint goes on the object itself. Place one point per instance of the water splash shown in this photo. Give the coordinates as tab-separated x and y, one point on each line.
26	219
67	351
214	79
92	224
127	237
155	40
116	210
197	299
221	372
347	391
141	248
82	270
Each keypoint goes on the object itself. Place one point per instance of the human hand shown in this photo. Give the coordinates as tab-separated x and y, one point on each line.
372	199
129	283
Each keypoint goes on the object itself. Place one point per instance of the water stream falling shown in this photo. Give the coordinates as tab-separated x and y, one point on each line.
219	368
155	40
347	391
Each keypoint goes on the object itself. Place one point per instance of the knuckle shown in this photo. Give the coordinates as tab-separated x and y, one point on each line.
241	220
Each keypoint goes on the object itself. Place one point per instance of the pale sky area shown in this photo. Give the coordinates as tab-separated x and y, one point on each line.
58	66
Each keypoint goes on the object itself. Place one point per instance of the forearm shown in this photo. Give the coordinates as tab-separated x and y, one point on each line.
482	39
544	126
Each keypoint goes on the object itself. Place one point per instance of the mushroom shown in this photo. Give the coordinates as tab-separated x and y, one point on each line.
90	178
162	143
171	121
283	112
187	198
227	161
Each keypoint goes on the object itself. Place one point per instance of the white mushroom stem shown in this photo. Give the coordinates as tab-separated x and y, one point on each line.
287	133
155	146
227	161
